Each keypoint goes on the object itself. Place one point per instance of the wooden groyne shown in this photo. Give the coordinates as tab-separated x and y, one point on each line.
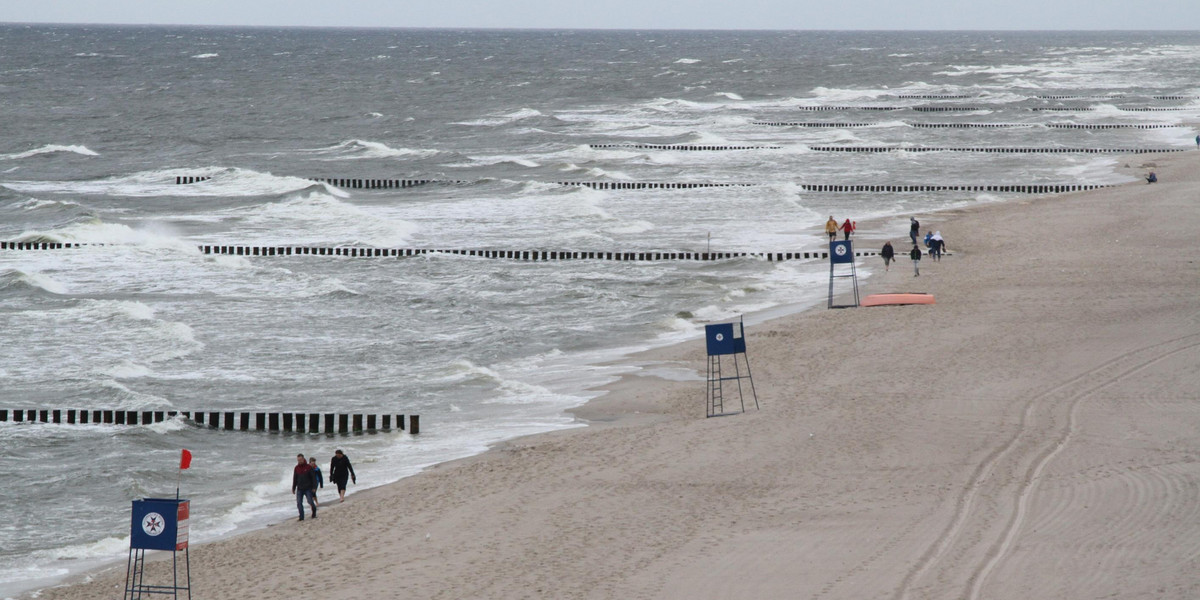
995	149
836	124
522	255
1041	188
296	422
679	147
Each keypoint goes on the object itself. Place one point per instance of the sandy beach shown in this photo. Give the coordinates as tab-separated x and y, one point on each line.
1035	434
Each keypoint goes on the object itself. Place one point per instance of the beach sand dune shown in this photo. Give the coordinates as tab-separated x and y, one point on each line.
1035	434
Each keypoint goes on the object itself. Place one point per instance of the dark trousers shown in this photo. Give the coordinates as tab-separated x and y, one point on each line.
301	495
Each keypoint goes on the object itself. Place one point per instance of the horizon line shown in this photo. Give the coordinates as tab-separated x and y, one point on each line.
502	28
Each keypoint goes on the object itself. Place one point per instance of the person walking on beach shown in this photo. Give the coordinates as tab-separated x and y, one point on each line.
914	229
312	462
341	470
303	484
888	254
847	228
1198	142
831	228
1152	178
915	255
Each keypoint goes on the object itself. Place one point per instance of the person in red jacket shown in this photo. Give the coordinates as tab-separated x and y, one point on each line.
304	482
847	228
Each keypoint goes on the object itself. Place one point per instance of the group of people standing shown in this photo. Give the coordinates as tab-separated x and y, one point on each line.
307	478
933	241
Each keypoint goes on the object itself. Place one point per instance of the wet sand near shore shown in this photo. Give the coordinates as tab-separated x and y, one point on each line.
1034	434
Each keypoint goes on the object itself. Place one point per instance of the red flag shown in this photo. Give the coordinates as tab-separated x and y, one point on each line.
185	460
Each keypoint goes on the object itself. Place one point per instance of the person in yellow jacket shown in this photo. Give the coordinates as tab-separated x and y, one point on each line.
831	227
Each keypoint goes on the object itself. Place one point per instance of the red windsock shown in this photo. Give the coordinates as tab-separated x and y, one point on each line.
185	460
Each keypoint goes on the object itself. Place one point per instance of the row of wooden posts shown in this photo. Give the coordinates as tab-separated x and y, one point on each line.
961	96
297	422
824	107
1043	188
839	124
987	149
995	149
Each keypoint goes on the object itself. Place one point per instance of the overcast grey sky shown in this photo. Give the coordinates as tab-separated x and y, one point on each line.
624	14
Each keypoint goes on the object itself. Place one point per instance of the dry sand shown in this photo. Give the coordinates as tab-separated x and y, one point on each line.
1035	434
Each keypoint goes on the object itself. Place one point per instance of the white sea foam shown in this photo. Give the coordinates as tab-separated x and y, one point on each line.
316	213
630	227
359	149
496	160
32	279
206	55
223	183
127	369
50	149
109	546
821	95
504	119
37	204
151	235
687	61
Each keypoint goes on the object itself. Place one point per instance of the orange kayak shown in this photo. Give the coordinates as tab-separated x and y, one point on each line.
896	299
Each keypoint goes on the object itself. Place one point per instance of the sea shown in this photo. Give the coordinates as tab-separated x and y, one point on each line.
98	122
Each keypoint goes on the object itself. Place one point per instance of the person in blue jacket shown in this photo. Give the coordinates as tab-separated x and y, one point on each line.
316	473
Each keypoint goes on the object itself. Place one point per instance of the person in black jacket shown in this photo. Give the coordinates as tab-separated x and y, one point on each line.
915	255
304	482
888	254
340	470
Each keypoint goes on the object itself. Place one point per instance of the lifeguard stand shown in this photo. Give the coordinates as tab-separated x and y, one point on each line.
158	524
726	339
842	253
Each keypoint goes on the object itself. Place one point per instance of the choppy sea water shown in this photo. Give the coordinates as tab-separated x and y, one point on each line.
99	121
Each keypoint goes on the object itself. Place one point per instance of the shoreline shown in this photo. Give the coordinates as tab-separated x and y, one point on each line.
655	406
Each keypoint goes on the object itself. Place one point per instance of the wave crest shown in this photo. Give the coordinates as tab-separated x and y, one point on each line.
50	149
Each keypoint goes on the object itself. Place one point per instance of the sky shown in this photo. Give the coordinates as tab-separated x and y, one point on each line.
626	14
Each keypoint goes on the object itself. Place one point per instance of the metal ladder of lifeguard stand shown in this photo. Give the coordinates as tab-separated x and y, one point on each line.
134	573
716	400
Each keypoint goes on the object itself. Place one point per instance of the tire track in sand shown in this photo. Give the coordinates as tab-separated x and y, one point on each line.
1029	483
969	498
